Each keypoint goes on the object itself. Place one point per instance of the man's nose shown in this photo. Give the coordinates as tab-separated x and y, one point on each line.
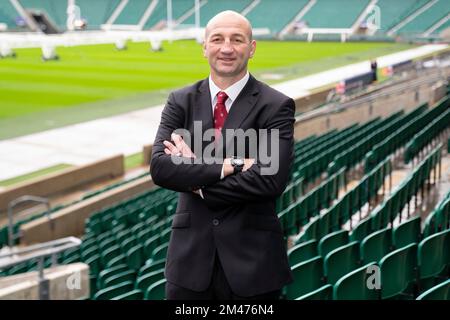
226	47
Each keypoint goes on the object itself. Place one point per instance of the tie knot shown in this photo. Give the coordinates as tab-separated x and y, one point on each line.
221	97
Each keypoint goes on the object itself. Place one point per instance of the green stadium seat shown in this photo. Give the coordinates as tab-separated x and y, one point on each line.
302	252
152	265
353	286
398	269
120	259
308	277
376	245
407	232
107	273
438	292
332	241
135	257
95	264
132	295
156	291
129	275
323	293
362	230
114	291
145	281
160	252
341	261
109	254
434	254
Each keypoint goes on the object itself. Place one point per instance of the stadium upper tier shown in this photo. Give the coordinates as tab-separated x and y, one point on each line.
133	12
323	14
394	17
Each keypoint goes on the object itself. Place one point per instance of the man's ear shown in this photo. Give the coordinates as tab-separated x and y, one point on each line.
204	48
253	49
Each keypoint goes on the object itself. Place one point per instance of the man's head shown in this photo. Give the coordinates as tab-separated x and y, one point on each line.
228	44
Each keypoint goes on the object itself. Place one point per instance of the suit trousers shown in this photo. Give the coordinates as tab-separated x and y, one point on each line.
219	289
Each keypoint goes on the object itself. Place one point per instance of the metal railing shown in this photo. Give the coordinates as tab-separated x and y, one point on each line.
12	204
39	252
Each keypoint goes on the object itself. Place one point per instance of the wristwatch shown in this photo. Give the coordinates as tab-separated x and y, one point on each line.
237	164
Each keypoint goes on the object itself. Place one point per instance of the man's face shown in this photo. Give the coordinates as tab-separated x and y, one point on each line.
228	47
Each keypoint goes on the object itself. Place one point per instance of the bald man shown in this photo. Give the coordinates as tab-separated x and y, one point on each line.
226	241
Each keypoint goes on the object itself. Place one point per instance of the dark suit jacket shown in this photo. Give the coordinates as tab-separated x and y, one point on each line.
237	215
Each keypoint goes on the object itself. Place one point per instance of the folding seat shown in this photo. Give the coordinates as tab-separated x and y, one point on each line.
434	254
438	292
146	280
340	261
332	241
160	252
106	243
152	265
86	254
165	235
150	244
302	212
128	275
135	257
131	295
156	291
443	215
117	260
407	232
398	269
109	272
354	286
94	263
334	217
114	291
376	245
362	230
323	293
109	254
302	252
310	231
308	276
324	224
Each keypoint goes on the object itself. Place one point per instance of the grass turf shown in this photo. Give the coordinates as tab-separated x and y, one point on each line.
94	81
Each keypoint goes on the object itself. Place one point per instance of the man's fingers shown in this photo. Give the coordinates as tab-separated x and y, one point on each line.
171	147
179	143
167	151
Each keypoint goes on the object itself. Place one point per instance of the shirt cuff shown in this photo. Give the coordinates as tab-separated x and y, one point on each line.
221	172
200	193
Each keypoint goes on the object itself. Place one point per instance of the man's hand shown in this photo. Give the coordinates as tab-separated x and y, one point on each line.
180	149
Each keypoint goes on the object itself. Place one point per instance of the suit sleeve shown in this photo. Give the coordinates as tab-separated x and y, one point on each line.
165	172
251	185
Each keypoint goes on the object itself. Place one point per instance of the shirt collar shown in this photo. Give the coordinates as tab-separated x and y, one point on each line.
232	91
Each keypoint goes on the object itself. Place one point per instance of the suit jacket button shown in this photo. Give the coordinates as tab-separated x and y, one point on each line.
215	222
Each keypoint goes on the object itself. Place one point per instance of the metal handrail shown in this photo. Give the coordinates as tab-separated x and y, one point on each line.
46	248
50	248
12	204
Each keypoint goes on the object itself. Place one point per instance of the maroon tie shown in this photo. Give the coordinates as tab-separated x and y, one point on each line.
220	114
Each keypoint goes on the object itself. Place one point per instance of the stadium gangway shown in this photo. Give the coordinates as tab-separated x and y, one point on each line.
12	204
39	252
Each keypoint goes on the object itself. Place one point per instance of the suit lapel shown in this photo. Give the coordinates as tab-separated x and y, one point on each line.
239	110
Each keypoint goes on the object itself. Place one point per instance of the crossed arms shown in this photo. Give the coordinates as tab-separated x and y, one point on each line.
247	186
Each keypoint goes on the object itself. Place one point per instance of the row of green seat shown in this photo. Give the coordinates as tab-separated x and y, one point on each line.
302	209
405	133
439	218
393	206
313	167
337	262
353	200
426	135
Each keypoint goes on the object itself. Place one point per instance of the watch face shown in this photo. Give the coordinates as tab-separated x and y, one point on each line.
238	162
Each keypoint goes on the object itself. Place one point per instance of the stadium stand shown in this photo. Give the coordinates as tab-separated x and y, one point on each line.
55	10
8	14
282	13
132	12
212	7
393	12
323	13
97	12
427	19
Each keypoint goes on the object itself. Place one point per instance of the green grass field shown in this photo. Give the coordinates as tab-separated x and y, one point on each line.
89	82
